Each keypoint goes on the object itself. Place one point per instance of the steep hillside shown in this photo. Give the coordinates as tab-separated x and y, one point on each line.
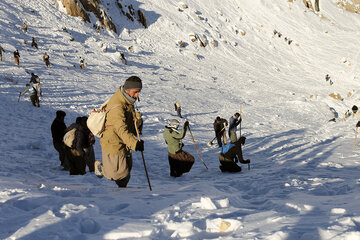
268	60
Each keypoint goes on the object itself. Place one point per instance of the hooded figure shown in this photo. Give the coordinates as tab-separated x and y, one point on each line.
230	155
58	128
180	161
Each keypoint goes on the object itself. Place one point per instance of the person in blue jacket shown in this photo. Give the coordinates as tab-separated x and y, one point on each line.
231	154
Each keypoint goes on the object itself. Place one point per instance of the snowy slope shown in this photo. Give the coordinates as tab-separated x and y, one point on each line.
303	182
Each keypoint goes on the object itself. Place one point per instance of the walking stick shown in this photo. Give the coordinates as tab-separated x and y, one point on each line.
355	136
240	134
197	148
241	120
142	154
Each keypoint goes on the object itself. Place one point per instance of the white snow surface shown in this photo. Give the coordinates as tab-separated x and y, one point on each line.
304	181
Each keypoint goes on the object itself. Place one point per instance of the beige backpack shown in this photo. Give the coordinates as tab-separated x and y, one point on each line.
69	138
96	119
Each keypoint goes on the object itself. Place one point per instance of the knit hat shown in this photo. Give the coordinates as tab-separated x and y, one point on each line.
60	114
173	123
132	82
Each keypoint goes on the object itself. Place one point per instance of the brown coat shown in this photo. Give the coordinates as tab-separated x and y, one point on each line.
119	137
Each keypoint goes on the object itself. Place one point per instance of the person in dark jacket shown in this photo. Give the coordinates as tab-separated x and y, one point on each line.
34	43
234	121
230	155
76	153
17	57
219	127
180	161
58	128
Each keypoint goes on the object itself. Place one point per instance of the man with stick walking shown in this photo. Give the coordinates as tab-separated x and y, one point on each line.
180	161
119	137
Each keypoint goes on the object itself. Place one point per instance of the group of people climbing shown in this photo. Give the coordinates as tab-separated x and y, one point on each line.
121	136
74	144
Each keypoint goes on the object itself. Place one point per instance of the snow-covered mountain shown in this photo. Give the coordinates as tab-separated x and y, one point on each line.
267	59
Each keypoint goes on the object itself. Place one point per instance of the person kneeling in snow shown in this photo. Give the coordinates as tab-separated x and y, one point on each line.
180	161
230	154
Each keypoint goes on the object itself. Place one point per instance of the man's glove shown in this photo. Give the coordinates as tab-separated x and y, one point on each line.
358	124
139	146
186	124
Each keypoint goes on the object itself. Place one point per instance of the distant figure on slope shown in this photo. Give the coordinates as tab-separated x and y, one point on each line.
180	161
82	63
356	114
58	128
122	57
33	95
24	27
34	43
234	121
219	127
119	138
35	80
46	59
178	109
17	57
1	52
230	155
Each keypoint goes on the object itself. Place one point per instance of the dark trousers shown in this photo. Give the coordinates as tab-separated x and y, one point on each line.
60	147
228	165
180	163
90	159
35	100
77	163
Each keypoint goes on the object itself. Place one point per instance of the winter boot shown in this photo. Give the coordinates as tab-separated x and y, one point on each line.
98	169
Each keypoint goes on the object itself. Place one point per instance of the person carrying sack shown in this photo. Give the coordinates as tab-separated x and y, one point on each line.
119	137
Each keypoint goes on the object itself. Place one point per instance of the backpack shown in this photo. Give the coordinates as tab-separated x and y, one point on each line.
96	119
69	138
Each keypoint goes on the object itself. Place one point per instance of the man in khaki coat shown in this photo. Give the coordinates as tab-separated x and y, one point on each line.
119	137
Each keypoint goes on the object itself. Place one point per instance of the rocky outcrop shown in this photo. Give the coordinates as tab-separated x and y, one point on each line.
74	9
79	8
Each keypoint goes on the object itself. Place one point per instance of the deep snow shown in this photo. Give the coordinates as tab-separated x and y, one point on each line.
304	178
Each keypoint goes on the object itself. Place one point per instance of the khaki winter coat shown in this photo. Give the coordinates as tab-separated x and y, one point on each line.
119	137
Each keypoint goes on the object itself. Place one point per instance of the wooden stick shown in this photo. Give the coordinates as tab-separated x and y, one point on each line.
197	148
355	136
